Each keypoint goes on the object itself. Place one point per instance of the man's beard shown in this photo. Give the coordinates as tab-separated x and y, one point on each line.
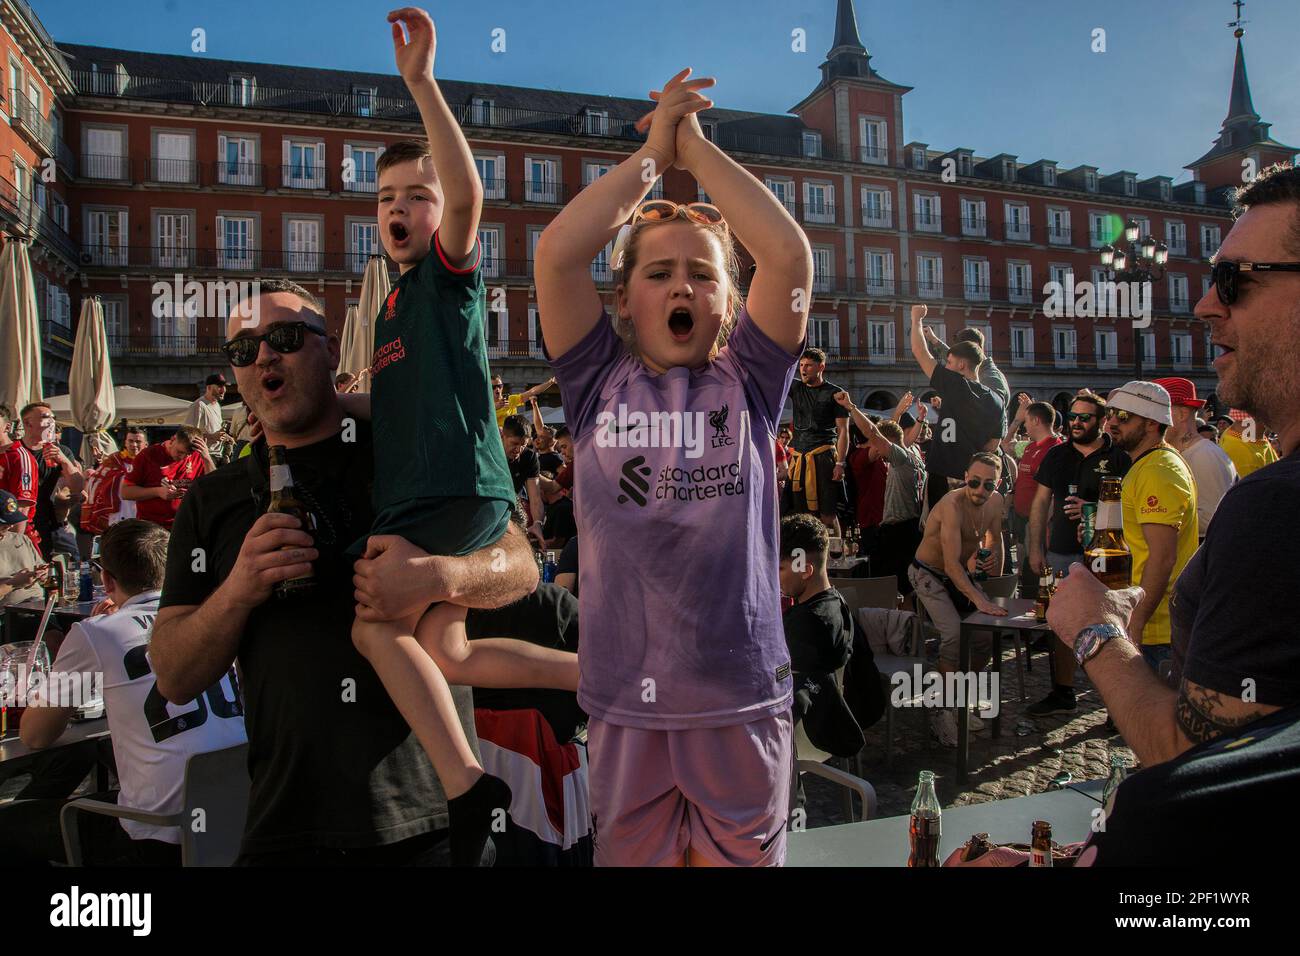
1089	435
1128	443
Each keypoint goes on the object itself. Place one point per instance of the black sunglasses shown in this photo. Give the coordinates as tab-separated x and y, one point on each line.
1079	416
284	339
989	483
1225	275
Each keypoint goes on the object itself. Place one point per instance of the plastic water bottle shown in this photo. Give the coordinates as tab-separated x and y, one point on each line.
86	591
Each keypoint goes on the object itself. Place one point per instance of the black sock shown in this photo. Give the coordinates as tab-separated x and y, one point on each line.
471	816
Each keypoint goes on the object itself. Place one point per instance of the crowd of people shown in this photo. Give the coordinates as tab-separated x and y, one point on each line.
712	627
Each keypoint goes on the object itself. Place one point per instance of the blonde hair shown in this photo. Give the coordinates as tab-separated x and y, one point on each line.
731	265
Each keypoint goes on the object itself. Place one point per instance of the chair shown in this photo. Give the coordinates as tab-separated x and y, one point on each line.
215	782
879	592
808	759
891	664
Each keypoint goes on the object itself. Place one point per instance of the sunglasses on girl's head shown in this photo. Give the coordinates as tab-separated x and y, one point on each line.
665	210
988	483
1119	415
1084	417
286	338
1225	275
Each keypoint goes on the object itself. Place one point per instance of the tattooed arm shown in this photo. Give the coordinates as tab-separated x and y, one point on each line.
1204	713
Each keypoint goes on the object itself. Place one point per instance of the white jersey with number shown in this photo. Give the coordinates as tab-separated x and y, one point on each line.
152	738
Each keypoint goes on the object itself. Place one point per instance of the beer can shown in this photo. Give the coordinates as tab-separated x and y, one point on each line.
1088	515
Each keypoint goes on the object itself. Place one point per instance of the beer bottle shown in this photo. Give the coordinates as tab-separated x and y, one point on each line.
1108	557
1044	594
285	501
926	823
1040	853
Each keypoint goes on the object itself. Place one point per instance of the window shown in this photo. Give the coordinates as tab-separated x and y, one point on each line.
1210	240
1061	275
595	122
534	233
172	249
1147	346
591	171
874	135
363	242
60	211
973	217
302	245
1090	181
173	330
304	165
1180	349
1105	345
1019	285
1143	224
1209	350
362	161
105	153
919	159
492	172
1098	229
498	333
880	341
237	161
601	270
235	238
173	159
1178	293
965	164
363	99
243	89
1064	346
489	240
1017	221
929	276
876	207
106	236
975	278
1009	170
823	268
541	182
782	189
15	86
927	210
1022	345
534	334
657	190
824	334
819	202
1049	175
879	271
1176	237
115	328
1058	226
710	129
481	112
812	144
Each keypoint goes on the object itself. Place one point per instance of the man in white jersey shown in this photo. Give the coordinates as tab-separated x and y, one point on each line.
152	739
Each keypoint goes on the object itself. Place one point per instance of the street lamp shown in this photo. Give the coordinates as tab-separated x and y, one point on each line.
1143	261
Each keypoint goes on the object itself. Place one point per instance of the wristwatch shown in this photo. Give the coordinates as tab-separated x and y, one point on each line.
1091	640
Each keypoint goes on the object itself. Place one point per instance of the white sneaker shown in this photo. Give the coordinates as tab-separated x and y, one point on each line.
976	725
944	726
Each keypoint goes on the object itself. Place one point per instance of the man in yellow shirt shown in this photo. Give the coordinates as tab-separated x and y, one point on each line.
1159	507
1246	444
508	405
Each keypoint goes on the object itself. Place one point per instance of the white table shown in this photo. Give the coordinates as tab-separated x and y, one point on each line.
884	842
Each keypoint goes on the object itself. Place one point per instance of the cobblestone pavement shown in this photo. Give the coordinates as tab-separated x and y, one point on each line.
999	768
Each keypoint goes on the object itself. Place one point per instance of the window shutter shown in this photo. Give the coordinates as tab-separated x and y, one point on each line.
885	204
356	176
221	158
221	238
318	175
284	160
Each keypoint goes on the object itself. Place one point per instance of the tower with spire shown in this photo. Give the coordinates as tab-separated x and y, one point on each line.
1243	136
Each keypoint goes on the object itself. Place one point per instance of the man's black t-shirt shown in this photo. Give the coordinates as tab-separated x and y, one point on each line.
550	462
970	415
332	762
524	467
818	634
568	561
1063	466
47	477
1233	608
815	415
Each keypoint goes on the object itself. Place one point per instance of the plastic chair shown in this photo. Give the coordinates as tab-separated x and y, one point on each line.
215	782
891	664
879	592
809	759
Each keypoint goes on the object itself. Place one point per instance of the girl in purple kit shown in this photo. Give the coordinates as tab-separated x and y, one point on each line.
673	407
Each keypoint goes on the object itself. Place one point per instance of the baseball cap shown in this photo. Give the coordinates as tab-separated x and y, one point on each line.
10	513
216	379
1143	398
1181	391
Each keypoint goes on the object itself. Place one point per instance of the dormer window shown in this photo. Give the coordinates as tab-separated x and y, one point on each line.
243	87
1008	170
812	144
480	111
596	122
918	159
710	131
1164	191
1090	181
1130	187
1049	175
964	164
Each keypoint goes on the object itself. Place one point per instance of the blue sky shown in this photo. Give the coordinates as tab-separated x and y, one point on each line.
1015	76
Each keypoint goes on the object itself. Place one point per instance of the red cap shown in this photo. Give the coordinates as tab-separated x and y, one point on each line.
1181	392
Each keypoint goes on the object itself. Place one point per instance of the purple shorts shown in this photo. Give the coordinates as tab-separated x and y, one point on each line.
722	791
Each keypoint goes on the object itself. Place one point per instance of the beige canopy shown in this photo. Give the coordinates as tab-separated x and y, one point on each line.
136	405
20	342
90	382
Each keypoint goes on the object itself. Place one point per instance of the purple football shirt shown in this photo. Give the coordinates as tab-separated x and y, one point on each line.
676	507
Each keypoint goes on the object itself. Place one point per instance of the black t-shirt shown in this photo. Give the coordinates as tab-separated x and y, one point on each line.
1233	609
559	522
47	477
548	617
1063	466
819	634
568	561
332	761
970	415
815	415
524	467
550	462
1219	804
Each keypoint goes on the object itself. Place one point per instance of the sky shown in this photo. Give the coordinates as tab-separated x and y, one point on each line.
1014	76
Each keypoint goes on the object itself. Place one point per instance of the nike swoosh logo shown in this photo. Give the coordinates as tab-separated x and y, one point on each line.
770	840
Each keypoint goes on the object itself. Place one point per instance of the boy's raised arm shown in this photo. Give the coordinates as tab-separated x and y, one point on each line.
453	160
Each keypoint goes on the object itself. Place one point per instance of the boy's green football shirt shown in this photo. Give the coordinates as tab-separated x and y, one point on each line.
435	431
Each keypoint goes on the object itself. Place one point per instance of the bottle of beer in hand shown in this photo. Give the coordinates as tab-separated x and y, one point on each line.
925	828
285	501
1108	557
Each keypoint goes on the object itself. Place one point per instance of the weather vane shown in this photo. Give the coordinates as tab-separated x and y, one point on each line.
1238	23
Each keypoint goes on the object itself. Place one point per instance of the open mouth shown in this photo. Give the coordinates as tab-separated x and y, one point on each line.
272	385
1220	350
680	324
398	232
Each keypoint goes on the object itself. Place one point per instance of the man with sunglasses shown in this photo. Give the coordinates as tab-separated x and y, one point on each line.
1068	477
1235	656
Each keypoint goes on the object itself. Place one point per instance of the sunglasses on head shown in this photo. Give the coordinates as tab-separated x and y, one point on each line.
1080	416
988	483
1225	275
286	338
1119	415
665	210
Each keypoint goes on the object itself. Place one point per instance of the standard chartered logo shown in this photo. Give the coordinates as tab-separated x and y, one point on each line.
633	482
679	484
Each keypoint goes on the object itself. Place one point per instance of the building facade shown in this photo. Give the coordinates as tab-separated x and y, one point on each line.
198	168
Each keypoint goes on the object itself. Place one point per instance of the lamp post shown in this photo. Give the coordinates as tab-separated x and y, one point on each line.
1143	261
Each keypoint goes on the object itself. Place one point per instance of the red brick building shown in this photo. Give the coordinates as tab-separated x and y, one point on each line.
218	169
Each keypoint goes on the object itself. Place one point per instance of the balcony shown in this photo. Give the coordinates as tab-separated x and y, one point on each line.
1017	232
877	218
546	192
875	155
877	284
29	217
1178	247
818	213
1097	238
1058	235
302	176
226	173
929	288
209	260
927	222
975	291
1020	293
105	166
167	346
26	117
974	226
514	349
495	189
183	172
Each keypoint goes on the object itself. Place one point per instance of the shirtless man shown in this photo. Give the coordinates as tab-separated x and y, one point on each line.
964	520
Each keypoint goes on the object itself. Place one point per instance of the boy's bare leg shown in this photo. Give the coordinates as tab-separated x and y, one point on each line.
492	661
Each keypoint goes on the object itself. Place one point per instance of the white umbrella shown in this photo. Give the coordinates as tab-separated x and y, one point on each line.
356	345
374	290
134	405
91	381
553	416
20	348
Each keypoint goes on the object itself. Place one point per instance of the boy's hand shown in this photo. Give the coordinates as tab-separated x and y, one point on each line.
414	51
678	99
